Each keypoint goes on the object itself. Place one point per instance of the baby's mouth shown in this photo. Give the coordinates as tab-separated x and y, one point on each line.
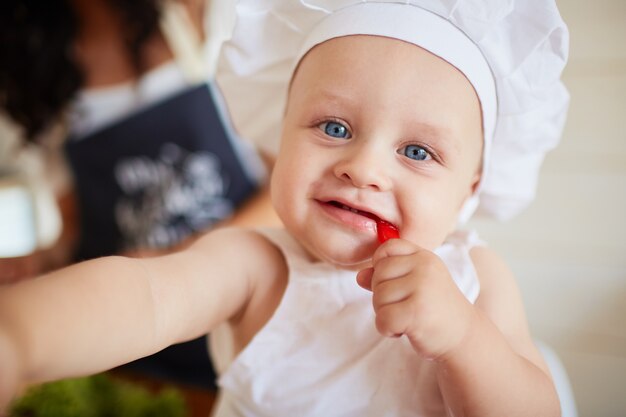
353	210
385	230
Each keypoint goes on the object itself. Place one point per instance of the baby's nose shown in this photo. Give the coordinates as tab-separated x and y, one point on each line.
366	167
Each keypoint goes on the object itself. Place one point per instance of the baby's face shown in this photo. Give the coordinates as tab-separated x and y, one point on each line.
375	128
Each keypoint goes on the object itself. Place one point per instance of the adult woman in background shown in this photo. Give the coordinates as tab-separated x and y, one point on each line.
151	152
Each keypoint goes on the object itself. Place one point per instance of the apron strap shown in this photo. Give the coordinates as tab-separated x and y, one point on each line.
185	42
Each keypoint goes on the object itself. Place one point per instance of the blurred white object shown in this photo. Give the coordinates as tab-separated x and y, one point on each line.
28	189
18	231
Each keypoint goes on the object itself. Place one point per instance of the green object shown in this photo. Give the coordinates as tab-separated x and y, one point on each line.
97	396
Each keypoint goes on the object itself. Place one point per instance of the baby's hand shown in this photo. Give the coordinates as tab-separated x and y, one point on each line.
414	295
8	372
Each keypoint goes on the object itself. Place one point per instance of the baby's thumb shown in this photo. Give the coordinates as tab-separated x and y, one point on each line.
364	278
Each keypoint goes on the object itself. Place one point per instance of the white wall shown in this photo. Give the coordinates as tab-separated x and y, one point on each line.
568	249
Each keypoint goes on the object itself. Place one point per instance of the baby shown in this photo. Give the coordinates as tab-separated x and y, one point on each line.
393	115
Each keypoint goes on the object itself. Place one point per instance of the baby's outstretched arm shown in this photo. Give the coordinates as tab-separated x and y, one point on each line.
486	362
99	314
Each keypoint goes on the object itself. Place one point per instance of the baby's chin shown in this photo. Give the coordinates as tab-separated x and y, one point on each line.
352	265
348	258
340	248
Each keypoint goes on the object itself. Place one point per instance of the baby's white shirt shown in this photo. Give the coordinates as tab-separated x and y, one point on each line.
321	355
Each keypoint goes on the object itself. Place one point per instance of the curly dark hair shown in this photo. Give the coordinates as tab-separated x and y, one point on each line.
39	74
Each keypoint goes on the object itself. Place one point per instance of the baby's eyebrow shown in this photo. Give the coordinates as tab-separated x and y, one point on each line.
422	129
431	129
330	102
336	97
432	132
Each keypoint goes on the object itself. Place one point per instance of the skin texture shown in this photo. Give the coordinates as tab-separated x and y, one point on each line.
405	103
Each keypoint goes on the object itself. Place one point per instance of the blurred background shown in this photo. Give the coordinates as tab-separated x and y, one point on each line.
568	250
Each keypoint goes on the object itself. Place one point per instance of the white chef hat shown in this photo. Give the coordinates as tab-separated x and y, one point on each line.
511	51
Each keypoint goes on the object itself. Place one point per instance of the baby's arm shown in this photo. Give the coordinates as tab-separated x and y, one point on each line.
497	367
101	313
485	359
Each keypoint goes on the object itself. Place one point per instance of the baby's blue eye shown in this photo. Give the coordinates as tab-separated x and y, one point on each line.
335	130
415	152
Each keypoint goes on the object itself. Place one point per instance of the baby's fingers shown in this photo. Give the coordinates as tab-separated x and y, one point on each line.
391	291
384	256
394	247
393	320
392	268
364	278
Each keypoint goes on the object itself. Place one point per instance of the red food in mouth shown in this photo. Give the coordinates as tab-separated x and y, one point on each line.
386	231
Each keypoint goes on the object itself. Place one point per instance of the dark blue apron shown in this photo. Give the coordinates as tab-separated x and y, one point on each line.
151	180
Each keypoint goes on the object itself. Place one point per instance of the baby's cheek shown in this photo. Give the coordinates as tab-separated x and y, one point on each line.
427	235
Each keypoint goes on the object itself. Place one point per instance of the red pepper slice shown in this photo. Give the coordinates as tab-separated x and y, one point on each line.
386	231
